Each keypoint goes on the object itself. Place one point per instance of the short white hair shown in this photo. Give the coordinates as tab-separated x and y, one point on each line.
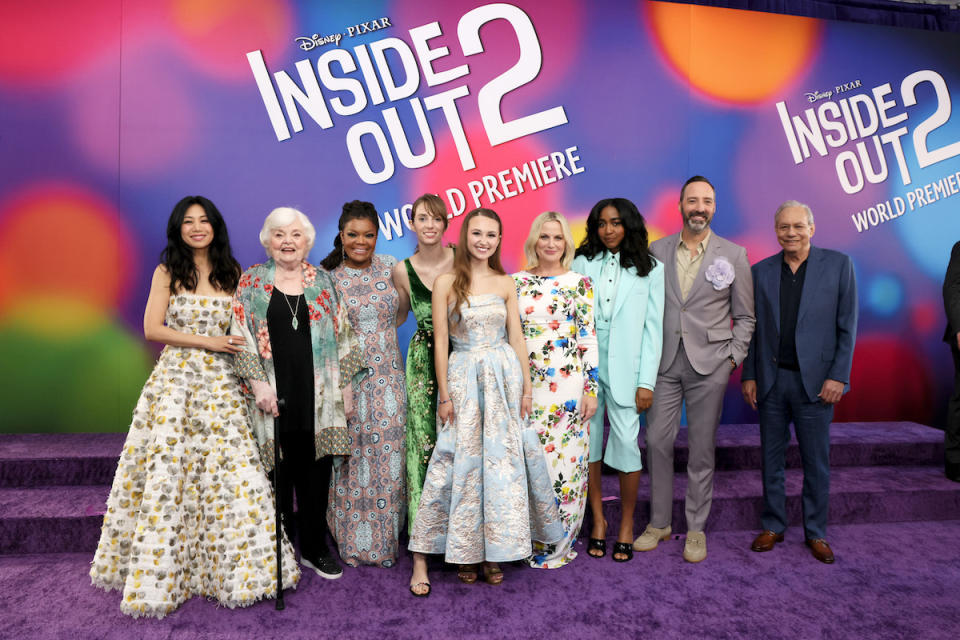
793	203
281	217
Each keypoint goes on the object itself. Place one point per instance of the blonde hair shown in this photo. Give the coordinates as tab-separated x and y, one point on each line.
281	217
530	246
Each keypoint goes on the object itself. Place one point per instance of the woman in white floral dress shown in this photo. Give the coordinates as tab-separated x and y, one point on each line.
556	309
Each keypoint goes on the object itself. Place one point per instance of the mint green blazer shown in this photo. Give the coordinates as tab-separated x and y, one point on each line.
636	329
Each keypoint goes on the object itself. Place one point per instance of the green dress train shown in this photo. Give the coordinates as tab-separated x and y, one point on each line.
421	393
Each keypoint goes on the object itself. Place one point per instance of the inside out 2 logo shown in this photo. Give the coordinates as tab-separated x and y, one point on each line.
873	122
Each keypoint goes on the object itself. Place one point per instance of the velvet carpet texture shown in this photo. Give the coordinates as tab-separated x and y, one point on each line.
893	580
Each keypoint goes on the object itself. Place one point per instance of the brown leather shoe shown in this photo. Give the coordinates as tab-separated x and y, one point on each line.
766	540
821	550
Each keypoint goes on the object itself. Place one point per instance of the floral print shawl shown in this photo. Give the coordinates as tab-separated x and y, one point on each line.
337	355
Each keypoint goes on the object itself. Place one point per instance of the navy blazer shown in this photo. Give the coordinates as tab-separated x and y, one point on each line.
826	322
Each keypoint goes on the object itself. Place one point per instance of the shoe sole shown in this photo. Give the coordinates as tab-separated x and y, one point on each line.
327	576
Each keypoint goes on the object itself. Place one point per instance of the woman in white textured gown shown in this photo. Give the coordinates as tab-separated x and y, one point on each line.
191	511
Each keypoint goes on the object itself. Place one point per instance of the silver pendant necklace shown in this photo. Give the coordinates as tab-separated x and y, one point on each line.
293	311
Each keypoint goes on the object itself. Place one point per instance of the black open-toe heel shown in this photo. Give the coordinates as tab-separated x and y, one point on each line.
597	544
622	548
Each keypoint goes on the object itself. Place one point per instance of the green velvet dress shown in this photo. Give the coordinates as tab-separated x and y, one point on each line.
421	393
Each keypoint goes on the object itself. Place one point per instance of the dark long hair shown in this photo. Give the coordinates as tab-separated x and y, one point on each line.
177	257
461	259
633	250
354	210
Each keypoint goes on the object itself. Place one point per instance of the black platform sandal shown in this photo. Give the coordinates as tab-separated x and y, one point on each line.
597	544
623	548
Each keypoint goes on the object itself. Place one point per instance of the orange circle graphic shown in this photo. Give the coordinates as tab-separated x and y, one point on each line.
742	57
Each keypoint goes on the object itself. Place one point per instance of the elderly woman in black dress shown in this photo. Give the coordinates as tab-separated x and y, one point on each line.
299	346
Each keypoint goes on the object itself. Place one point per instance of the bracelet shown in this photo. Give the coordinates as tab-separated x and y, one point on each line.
443	401
531	397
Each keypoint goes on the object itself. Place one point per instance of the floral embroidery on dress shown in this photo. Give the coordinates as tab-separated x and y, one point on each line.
337	356
557	319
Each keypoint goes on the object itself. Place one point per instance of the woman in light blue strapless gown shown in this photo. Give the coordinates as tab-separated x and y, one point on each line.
487	495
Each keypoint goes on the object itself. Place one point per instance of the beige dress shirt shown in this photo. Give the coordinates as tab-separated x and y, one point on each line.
688	267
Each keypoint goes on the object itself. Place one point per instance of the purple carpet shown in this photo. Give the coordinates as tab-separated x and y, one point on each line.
889	581
894	526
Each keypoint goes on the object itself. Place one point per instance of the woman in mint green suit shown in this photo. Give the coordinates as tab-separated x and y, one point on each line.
628	313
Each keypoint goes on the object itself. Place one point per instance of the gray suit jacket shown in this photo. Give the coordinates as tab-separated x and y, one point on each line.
714	324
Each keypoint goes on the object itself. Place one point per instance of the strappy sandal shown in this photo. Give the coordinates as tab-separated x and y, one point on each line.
491	575
622	548
467	573
420	584
597	544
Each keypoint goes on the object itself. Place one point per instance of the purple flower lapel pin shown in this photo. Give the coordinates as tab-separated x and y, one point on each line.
720	274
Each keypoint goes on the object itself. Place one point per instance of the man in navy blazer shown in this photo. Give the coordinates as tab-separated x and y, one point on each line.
798	368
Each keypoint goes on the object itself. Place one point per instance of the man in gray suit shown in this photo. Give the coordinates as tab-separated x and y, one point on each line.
707	324
798	368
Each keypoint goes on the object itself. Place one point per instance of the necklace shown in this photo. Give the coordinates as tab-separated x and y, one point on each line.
293	310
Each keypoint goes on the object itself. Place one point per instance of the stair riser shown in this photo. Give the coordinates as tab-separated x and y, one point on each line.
100	470
58	472
736	514
80	534
50	535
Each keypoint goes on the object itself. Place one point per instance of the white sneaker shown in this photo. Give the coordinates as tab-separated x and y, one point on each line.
695	548
650	538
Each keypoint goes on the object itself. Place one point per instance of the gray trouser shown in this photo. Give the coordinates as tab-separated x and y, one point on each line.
704	399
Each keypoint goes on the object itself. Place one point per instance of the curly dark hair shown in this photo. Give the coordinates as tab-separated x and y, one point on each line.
177	256
354	210
633	250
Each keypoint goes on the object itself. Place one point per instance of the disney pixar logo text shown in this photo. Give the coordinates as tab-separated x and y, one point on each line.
813	96
317	40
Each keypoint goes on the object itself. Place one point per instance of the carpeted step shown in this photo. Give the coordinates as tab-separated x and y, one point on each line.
851	444
68	519
51	519
53	487
48	459
31	460
857	495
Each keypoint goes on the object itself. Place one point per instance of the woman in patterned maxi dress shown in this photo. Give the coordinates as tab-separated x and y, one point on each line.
487	494
368	503
413	279
191	511
556	311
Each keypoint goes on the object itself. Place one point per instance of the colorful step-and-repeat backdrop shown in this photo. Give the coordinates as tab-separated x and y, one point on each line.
112	111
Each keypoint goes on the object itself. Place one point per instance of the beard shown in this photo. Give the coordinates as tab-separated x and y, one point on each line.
696	225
